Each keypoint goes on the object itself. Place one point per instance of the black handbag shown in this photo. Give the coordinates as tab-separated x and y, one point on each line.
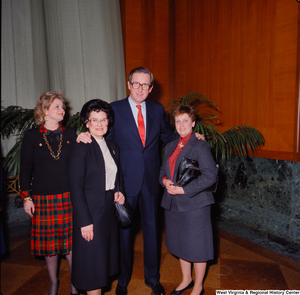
124	214
189	170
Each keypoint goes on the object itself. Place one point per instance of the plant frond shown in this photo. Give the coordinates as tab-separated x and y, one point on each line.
75	122
194	99
241	138
15	119
12	161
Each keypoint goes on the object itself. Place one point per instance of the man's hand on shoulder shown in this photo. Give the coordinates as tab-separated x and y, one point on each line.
84	137
199	136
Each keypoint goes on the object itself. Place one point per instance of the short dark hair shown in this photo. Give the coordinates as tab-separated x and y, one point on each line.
141	70
180	110
97	105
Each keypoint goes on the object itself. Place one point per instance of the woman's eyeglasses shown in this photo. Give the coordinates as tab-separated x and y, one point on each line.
95	122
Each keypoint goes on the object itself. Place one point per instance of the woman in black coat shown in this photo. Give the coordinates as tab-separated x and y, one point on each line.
96	182
187	209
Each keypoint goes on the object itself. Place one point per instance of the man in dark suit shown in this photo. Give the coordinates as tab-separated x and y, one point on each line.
140	162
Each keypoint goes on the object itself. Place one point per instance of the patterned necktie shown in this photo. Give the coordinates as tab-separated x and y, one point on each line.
141	125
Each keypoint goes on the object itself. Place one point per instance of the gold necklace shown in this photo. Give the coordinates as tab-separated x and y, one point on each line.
50	149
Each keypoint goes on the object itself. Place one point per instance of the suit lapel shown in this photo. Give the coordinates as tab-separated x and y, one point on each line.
112	151
149	120
99	156
129	120
171	150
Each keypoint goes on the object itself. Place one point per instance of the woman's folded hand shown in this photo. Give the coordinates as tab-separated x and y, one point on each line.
87	232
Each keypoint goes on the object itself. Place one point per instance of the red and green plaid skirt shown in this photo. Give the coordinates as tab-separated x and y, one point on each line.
52	225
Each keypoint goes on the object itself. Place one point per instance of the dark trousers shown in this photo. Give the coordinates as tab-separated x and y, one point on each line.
149	212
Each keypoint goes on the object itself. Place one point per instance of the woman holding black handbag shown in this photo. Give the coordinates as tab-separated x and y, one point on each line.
187	207
96	182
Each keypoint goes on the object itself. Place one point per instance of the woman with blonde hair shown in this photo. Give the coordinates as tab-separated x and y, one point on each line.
44	184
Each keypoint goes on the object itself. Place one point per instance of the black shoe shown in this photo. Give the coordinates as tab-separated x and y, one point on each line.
157	289
121	290
189	286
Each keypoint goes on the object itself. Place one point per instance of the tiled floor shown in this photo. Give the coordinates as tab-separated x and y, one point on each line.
239	264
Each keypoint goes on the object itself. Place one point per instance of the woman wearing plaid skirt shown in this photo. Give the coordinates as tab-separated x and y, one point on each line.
44	184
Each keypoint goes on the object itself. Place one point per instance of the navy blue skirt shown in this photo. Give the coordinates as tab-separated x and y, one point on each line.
189	234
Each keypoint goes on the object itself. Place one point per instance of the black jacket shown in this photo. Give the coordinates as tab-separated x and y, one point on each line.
40	172
87	179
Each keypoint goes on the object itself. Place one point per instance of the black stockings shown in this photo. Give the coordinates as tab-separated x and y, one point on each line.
52	267
52	263
69	260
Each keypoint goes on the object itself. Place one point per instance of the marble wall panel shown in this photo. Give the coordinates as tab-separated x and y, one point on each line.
261	193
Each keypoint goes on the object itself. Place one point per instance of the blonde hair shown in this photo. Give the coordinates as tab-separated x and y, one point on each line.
43	103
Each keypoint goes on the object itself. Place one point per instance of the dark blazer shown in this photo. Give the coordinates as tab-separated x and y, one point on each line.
40	172
95	261
195	195
138	162
87	179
